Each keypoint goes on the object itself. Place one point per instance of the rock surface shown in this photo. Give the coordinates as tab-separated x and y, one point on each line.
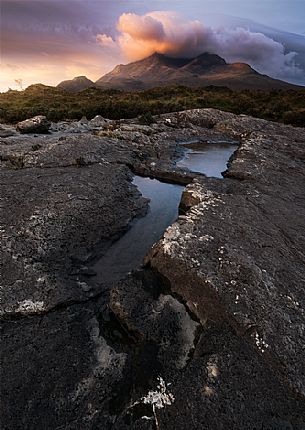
7	131
238	255
37	124
217	311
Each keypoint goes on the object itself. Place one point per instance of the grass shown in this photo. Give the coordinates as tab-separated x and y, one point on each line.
287	106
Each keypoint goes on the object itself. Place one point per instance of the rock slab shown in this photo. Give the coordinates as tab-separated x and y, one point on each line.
217	312
37	124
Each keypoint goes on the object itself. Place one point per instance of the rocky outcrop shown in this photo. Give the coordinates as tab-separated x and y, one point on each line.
37	124
237	256
217	311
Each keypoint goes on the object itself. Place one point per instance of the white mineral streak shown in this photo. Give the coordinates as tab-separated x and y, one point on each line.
160	397
173	241
261	344
29	307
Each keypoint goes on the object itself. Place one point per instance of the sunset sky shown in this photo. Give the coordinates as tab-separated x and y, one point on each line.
48	41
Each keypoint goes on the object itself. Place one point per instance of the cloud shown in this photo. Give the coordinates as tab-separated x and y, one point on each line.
168	33
106	41
48	41
261	52
145	28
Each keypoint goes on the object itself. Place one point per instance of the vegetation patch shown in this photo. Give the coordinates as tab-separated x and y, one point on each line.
287	106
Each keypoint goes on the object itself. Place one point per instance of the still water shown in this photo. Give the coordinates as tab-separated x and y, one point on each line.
128	252
210	159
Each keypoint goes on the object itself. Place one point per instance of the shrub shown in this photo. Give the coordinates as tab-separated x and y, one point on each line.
278	105
146	119
295	117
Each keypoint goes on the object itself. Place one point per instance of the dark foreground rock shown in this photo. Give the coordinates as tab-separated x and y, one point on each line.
238	254
217	312
7	131
37	124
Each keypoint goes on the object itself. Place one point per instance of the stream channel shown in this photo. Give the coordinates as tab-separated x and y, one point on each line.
128	252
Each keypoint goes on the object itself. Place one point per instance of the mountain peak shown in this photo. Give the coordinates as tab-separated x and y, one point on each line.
212	59
81	78
78	83
161	70
166	60
204	62
156	55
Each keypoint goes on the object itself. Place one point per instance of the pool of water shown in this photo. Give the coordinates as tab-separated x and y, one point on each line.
128	252
208	158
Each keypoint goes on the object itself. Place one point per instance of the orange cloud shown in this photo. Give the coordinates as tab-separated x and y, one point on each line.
163	32
169	33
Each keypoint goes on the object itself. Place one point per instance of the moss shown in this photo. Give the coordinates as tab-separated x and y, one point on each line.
16	162
146	119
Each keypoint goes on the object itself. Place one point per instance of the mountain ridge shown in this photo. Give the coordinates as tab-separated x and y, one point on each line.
159	70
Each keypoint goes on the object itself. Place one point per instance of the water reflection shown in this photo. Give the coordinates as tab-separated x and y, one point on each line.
128	252
210	159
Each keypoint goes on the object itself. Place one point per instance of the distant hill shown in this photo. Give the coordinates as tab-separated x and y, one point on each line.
204	70
77	84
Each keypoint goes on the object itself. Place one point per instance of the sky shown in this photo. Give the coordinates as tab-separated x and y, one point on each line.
48	41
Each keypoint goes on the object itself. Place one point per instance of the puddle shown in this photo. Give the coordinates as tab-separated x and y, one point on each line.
208	158
128	252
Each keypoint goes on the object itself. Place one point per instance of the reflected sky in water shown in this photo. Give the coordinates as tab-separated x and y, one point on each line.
210	159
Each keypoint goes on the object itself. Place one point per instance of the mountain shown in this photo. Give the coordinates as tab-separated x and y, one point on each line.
77	84
206	69
292	42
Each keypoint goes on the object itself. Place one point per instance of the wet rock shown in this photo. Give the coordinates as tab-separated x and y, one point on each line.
165	173
37	124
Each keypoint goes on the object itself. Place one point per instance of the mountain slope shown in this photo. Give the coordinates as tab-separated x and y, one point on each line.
77	84
291	41
206	69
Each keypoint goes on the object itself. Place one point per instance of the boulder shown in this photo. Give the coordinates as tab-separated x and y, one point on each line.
83	121
98	121
37	124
